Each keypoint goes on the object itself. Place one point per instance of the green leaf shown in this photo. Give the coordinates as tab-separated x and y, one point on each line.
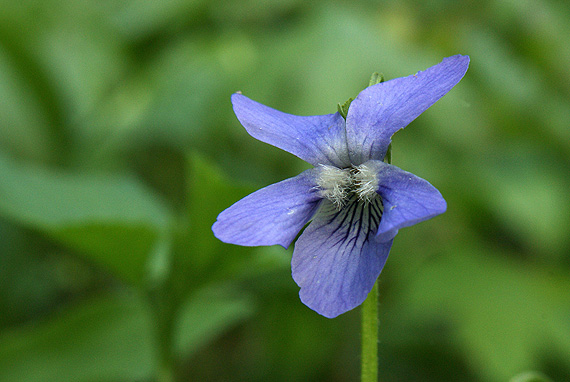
106	338
209	194
535	214
113	220
207	314
111	338
502	311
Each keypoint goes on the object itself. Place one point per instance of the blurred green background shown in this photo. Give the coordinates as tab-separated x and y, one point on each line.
119	147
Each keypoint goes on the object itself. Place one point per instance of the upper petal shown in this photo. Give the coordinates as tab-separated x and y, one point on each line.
337	260
315	139
407	199
381	110
272	215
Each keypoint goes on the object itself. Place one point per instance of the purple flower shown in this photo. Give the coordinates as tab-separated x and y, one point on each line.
355	201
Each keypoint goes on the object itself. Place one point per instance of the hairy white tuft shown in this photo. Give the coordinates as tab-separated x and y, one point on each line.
334	183
340	185
366	183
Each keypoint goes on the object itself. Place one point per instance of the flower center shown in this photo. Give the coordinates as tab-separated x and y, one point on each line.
339	185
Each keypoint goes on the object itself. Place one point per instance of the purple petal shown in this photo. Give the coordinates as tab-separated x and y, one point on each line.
407	199
337	260
315	139
381	110
273	215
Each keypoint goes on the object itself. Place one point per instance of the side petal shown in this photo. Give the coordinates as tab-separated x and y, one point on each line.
381	110
336	260
407	199
319	139
272	215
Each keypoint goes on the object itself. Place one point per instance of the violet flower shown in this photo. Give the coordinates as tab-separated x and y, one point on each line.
355	201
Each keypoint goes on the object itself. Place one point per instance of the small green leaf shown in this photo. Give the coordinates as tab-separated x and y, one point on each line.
111	219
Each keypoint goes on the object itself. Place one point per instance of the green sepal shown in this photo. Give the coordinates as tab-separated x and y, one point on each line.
343	109
376	78
388	156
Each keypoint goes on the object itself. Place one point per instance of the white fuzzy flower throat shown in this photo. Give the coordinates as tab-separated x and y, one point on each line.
339	185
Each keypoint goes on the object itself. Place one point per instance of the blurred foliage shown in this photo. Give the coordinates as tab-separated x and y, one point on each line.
119	147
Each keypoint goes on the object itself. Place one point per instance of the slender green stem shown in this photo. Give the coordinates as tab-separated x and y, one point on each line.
369	372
